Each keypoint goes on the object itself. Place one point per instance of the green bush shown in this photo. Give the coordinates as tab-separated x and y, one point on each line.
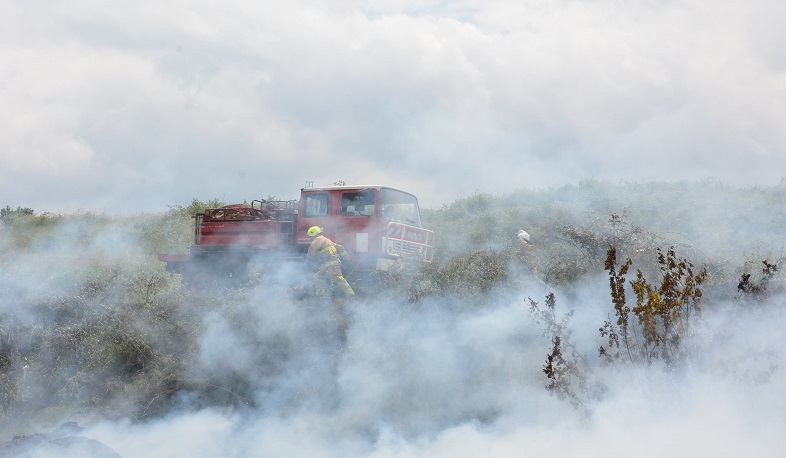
9	213
196	206
109	329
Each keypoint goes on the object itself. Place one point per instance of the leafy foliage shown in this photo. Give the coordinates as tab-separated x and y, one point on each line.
664	312
568	373
196	206
112	331
758	291
467	276
115	335
590	243
574	225
9	212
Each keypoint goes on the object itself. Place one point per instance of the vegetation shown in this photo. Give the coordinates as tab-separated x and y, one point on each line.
90	319
196	206
664	312
9	213
568	372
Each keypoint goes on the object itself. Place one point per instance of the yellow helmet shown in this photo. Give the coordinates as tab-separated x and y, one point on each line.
314	231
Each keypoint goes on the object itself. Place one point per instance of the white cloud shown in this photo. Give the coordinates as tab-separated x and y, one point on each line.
151	104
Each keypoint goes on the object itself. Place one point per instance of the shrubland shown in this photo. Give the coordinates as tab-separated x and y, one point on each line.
91	322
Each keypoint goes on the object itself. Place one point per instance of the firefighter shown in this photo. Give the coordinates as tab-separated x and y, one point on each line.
525	252
328	255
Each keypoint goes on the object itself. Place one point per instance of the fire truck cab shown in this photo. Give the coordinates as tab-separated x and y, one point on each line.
378	225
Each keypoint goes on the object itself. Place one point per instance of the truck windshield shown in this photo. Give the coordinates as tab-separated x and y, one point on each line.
356	203
400	206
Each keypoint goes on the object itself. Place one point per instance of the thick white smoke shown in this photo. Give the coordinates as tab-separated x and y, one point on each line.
391	378
427	379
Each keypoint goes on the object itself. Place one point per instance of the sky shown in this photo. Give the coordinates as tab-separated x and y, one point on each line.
136	107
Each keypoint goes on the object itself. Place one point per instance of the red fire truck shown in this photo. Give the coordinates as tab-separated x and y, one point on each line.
379	225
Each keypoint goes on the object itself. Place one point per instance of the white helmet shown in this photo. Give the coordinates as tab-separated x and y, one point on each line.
523	235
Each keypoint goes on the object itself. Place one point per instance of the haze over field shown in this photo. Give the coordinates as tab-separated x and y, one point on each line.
430	379
134	107
131	108
431	382
92	330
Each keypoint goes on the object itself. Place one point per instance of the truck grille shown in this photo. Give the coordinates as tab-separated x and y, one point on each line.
408	242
